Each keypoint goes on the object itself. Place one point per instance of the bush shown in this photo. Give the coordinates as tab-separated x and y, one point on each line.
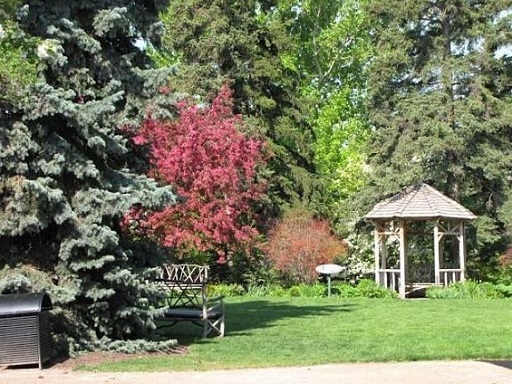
470	290
308	290
299	243
272	290
504	289
345	290
227	290
364	288
369	288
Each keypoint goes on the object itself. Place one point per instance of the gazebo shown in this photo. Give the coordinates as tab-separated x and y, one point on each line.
435	221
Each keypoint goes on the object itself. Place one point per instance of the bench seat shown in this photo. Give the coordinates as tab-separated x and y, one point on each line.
189	314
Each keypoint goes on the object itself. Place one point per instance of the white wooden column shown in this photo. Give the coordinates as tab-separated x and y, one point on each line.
462	251
376	253
437	263
403	258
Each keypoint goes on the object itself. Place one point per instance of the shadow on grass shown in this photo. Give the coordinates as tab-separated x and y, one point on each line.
245	316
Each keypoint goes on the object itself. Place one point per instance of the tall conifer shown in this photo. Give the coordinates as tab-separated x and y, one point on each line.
68	171
440	104
237	43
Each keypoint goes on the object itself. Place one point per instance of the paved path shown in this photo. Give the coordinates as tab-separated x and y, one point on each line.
424	372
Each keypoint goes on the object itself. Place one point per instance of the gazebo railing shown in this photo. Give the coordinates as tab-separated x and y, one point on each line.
389	278
448	276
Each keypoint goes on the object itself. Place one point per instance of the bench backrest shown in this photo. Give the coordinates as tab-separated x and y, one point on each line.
185	284
185	273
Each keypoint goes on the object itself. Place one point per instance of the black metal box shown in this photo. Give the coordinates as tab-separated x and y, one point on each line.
24	329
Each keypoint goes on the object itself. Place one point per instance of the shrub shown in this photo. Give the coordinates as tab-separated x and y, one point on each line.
299	243
504	289
308	290
469	290
271	290
227	290
369	288
345	290
364	288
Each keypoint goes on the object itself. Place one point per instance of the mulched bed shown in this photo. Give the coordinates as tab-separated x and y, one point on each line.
95	358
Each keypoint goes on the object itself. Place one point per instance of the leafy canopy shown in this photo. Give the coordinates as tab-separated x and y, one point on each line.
214	166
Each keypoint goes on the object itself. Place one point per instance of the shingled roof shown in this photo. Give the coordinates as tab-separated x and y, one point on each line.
419	202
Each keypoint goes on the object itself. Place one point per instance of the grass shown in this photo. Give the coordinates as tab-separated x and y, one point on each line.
308	331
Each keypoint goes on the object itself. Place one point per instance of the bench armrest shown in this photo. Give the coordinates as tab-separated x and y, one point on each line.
212	299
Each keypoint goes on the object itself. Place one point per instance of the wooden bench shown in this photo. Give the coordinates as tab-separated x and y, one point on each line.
185	290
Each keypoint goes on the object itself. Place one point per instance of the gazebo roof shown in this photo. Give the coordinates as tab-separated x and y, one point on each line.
419	202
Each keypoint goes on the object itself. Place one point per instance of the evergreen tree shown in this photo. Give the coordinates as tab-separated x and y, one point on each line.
440	104
239	44
68	173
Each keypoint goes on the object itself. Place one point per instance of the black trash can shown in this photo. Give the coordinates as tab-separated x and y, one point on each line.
24	329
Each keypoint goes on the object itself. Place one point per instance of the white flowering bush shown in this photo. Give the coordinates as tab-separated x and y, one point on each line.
359	262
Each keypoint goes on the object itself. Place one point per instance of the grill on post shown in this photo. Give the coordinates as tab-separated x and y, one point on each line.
24	329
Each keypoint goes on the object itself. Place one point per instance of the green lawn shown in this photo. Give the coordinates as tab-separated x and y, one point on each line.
262	332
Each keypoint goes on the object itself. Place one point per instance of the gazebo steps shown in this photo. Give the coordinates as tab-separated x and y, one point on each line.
417	290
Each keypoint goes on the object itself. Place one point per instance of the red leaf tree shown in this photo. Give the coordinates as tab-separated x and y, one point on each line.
298	243
210	162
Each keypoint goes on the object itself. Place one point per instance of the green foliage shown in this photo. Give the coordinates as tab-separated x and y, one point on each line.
308	290
439	105
470	290
14	282
69	173
23	279
19	66
226	290
266	290
239	44
330	53
363	288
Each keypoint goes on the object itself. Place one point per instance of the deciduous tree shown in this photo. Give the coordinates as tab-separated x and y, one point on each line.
214	166
330	55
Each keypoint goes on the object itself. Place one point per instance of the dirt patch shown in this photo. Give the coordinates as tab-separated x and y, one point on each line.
95	358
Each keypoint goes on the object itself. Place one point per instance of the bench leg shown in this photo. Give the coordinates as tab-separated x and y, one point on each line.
216	325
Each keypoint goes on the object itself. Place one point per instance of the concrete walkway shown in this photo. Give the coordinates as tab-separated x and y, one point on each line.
423	372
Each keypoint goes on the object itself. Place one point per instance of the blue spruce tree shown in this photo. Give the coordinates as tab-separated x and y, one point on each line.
68	172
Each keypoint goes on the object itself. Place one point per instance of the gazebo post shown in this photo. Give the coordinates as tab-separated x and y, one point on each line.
376	252
403	260
379	250
462	251
437	263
